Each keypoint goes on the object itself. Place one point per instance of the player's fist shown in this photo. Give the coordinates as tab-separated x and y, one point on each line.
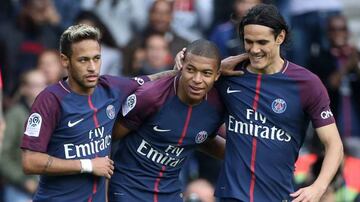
103	166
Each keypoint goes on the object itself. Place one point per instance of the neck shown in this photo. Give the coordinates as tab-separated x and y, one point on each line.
78	88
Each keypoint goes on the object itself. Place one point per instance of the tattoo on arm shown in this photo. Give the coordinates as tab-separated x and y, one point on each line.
49	162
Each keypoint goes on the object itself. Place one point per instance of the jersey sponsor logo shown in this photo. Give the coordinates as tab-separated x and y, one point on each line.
97	142
72	124
33	125
326	114
201	137
229	91
255	126
139	80
278	105
156	128
110	111
129	104
169	157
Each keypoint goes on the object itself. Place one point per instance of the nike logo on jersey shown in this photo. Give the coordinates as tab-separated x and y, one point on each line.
72	124
160	130
228	91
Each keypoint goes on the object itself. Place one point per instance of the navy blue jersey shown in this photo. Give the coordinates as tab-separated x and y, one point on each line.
267	118
165	132
67	125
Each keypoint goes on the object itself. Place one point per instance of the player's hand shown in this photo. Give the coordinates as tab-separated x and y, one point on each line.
311	193
103	166
30	185
179	59
228	65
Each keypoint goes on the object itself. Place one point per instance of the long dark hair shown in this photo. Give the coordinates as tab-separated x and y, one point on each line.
266	15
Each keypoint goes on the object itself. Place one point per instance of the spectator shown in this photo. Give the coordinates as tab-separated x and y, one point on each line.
35	29
160	18
19	187
199	190
308	19
157	55
225	35
49	64
338	68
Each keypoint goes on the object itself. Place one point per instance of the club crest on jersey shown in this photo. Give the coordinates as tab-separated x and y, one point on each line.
129	104
110	111
139	80
33	125
201	137
278	105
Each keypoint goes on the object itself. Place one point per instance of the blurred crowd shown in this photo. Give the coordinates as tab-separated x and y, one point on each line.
142	37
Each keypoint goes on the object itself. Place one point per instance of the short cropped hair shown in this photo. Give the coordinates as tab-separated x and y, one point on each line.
266	15
204	48
75	34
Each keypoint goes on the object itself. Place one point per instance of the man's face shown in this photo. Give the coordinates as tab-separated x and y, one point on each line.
83	66
262	46
161	16
338	32
197	78
157	52
49	64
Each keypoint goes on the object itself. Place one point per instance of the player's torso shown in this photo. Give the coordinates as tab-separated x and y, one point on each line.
154	154
85	126
265	129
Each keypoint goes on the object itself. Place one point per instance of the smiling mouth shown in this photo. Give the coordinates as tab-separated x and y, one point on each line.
196	90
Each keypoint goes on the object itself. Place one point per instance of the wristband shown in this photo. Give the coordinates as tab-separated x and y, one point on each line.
86	166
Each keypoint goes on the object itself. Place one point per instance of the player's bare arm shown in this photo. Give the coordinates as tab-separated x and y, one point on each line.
330	137
44	164
214	147
159	75
119	131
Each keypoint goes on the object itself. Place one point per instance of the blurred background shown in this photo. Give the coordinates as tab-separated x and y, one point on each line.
143	37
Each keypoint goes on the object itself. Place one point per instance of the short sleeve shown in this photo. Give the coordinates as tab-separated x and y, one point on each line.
137	108
318	105
125	85
41	123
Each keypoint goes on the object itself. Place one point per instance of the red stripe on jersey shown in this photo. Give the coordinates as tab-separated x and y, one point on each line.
157	182
95	185
257	92
95	111
185	126
254	141
1	82
183	134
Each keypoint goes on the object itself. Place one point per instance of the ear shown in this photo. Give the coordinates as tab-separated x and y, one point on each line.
218	73
281	37
64	60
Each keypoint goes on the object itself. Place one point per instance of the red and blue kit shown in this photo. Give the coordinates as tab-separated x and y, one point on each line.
165	131
267	118
67	125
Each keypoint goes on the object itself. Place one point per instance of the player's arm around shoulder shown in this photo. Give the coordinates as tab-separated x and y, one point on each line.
135	109
330	137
